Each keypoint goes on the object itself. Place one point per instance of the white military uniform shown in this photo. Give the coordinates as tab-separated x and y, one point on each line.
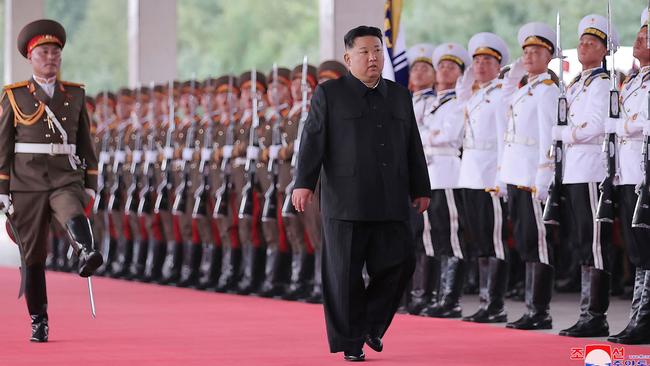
484	122
629	128
584	160
526	166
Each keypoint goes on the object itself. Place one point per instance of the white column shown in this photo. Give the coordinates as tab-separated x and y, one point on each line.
152	41
337	17
17	14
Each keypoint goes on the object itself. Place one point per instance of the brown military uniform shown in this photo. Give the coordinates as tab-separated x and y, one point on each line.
44	185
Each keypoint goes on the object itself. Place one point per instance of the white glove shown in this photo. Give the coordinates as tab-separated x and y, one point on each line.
252	152
227	152
541	194
611	124
151	156
206	154
137	156
517	70
104	156
169	153
188	154
558	132
296	146
90	192
5	202
274	151
120	156
464	83
646	128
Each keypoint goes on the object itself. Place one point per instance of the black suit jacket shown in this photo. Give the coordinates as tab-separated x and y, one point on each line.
365	146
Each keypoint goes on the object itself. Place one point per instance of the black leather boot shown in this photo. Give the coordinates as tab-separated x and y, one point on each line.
316	296
36	297
62	257
592	321
53	254
483	272
173	263
191	263
210	267
299	287
493	292
272	285
539	290
230	269
421	276
155	260
638	329
81	235
109	249
451	289
139	262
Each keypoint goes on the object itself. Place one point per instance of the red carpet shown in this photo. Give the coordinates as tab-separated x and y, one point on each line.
140	324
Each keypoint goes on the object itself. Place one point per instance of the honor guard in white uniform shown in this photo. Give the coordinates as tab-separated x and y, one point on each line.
584	169
531	99
630	131
484	118
421	82
442	139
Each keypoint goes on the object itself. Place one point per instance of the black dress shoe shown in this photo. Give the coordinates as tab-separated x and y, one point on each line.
591	327
375	343
532	322
40	328
354	356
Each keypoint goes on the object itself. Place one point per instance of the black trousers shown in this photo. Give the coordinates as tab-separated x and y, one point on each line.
591	238
485	219
637	240
532	238
445	211
353	310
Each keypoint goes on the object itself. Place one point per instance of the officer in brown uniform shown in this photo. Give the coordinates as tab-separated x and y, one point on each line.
151	178
188	142
246	152
48	166
270	137
227	100
105	133
302	262
202	200
119	259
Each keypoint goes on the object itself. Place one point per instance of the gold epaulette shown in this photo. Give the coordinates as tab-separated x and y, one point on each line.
20	116
16	85
69	83
548	82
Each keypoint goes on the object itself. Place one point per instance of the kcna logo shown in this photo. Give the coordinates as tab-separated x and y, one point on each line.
598	354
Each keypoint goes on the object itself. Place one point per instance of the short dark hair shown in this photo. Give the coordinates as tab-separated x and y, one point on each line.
361	31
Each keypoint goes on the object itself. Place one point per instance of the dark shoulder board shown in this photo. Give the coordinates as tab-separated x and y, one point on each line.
599	73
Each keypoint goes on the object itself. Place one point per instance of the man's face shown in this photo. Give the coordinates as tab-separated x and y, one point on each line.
124	107
366	58
222	101
421	76
591	50
46	60
486	68
536	59
278	93
640	50
447	74
246	102
296	90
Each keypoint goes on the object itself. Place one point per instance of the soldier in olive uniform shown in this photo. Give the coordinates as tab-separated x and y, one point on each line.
270	142
302	262
48	166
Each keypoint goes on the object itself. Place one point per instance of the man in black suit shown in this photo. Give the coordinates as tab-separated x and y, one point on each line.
362	140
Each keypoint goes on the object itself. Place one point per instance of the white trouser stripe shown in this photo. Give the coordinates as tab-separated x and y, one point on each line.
453	223
426	235
497	239
542	245
595	246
